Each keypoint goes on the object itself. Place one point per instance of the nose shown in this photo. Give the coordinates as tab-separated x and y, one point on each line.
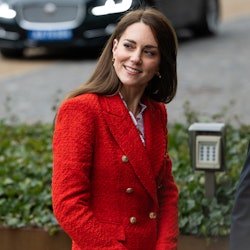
136	57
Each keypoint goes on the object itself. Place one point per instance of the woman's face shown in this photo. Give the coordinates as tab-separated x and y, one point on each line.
137	56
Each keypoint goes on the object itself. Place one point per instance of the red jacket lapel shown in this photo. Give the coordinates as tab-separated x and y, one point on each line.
146	162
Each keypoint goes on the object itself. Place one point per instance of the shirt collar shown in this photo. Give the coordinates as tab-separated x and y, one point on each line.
143	106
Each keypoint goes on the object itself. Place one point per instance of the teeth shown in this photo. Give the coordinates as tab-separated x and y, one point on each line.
132	70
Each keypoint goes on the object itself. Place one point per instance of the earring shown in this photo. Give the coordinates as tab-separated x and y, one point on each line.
113	60
158	74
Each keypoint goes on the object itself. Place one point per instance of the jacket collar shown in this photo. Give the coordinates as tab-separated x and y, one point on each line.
146	161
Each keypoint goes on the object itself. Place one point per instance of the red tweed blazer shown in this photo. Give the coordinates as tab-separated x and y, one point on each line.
108	190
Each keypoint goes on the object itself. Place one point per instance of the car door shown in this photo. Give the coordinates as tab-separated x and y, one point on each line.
180	12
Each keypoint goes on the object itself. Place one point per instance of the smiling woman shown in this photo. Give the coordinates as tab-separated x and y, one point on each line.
121	106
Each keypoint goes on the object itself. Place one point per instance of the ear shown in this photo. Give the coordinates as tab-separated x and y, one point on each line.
115	44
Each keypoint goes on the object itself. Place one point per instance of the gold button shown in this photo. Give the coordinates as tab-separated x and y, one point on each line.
124	158
132	220
152	215
129	190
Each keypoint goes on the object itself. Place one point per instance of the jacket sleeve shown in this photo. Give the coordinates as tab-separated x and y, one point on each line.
168	231
73	145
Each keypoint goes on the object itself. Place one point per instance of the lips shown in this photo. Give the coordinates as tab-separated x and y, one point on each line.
132	70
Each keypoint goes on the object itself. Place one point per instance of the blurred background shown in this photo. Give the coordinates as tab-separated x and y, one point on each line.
213	73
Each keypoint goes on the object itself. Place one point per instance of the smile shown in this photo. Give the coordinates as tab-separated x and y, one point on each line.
132	70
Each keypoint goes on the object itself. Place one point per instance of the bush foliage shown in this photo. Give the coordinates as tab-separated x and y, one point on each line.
25	176
26	166
199	215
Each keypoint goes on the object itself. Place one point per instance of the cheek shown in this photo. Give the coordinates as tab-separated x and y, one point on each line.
116	49
120	54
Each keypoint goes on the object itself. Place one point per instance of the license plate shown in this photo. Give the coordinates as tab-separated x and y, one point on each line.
50	35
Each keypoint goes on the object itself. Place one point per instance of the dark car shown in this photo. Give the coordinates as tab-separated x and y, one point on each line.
84	23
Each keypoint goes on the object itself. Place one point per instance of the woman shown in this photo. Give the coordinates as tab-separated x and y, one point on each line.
112	184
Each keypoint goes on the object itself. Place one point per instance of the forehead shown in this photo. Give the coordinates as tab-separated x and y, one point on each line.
139	33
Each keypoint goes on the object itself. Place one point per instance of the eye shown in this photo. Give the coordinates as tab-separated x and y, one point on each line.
150	53
128	45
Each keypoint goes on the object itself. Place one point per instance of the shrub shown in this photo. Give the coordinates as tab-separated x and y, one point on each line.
25	176
26	166
199	215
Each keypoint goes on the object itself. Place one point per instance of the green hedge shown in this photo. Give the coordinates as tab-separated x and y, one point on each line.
26	165
25	176
198	215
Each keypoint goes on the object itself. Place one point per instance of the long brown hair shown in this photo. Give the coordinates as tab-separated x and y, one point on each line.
104	80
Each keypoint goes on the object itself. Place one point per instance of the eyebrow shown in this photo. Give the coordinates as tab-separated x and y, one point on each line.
149	46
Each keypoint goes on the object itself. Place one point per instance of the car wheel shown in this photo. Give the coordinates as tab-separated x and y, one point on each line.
12	53
209	23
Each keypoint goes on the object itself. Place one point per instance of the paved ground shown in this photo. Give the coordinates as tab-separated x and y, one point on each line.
234	8
214	74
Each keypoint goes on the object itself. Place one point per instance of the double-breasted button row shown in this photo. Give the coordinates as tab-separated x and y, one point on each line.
124	158
133	220
129	190
152	215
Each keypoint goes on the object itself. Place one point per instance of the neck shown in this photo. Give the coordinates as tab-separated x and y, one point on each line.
132	101
134	107
132	94
135	110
